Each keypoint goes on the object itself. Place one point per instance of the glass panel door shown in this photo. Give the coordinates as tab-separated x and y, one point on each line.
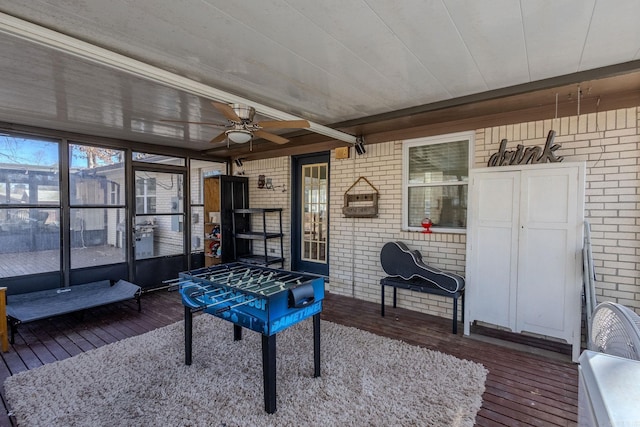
315	213
310	186
159	214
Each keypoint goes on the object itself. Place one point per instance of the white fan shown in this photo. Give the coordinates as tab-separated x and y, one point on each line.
615	330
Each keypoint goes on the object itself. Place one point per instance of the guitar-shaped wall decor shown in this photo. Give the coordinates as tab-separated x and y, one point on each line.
399	261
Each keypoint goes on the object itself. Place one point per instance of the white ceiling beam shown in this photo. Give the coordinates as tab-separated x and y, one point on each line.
43	36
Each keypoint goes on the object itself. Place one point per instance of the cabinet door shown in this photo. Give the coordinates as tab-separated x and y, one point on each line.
492	247
550	242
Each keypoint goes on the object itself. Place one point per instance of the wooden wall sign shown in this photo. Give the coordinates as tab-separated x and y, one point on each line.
362	205
523	155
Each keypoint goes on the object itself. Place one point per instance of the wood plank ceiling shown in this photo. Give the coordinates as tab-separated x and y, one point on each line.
379	69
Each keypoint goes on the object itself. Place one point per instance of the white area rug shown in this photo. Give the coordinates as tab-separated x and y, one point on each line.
367	380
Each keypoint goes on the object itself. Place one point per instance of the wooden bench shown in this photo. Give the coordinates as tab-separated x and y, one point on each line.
32	306
419	285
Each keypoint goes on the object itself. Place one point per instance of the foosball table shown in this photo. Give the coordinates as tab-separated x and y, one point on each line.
261	299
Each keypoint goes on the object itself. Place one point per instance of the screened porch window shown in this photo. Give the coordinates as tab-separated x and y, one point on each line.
29	206
97	220
436	173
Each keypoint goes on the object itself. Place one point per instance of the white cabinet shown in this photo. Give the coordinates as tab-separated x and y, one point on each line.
524	248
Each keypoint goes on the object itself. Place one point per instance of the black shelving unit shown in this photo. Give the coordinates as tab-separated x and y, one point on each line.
245	237
222	194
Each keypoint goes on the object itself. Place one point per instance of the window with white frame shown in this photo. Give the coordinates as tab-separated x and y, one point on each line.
435	175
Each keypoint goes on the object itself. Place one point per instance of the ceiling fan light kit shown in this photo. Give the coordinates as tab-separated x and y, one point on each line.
239	136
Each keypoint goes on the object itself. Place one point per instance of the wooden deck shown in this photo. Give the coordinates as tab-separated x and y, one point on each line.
522	388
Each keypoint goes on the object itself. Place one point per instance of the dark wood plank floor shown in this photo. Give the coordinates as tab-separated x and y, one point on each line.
522	388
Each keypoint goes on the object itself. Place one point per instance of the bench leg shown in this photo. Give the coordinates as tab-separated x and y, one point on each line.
395	298
462	303
455	315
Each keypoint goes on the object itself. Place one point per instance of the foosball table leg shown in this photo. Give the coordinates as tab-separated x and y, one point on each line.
269	372
188	334
237	332
316	345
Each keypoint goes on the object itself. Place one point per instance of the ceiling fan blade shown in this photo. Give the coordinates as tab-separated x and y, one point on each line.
284	124
227	111
219	138
194	123
270	137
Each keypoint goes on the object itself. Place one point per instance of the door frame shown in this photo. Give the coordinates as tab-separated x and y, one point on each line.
296	215
162	267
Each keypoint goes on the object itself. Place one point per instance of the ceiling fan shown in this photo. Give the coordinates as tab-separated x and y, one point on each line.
241	128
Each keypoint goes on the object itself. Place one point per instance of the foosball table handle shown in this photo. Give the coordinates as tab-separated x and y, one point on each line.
301	296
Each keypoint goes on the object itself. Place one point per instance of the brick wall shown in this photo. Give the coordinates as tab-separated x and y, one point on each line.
608	141
355	243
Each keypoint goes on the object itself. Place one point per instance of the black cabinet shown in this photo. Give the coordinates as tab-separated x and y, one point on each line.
261	245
